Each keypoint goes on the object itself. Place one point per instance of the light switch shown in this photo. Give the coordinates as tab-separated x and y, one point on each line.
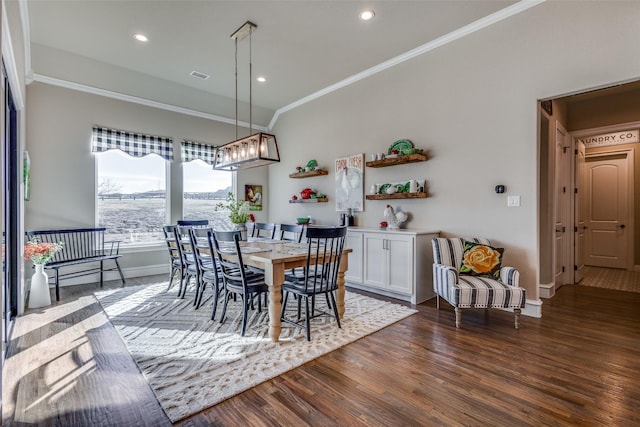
513	201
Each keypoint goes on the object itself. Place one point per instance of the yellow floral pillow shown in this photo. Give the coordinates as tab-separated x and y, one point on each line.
481	260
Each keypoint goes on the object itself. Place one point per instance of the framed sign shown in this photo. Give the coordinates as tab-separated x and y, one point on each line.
349	180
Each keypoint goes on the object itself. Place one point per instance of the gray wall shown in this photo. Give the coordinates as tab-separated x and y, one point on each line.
472	106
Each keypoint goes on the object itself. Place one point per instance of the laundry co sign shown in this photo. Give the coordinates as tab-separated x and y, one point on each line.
615	138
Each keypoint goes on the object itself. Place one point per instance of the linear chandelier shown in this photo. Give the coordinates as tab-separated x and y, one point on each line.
255	150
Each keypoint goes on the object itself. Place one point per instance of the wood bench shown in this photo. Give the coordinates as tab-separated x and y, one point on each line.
80	246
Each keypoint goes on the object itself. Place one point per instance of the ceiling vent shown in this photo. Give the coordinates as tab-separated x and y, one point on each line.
200	75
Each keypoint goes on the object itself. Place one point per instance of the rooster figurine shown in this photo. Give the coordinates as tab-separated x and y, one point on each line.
394	219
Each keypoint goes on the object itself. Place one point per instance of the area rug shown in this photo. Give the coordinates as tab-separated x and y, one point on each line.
193	363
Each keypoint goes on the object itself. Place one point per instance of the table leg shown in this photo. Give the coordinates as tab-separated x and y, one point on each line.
274	277
344	266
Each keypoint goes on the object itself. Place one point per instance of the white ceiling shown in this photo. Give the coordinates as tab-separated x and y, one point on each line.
301	46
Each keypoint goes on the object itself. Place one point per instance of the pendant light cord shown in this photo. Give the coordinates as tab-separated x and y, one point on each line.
250	84
236	40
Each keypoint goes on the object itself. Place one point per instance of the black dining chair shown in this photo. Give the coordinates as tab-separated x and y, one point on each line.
324	254
208	272
261	229
238	280
177	268
292	232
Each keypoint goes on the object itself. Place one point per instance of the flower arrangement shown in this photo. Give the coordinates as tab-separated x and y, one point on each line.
238	209
41	252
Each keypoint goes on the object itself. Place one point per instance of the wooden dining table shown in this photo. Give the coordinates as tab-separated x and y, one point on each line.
275	257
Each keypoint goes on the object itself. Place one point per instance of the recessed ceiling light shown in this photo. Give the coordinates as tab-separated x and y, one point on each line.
141	37
261	79
367	14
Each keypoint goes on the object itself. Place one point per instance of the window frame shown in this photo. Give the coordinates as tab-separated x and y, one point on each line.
135	247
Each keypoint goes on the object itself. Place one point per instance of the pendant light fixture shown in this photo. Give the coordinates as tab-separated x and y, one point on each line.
258	149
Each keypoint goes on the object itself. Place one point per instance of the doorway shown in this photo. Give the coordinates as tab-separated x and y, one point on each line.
604	228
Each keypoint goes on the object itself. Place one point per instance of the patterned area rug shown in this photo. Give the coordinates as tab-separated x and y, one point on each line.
193	363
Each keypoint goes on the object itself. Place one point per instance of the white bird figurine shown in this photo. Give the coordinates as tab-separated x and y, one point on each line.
394	219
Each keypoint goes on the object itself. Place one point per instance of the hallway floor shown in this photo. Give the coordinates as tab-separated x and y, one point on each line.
611	278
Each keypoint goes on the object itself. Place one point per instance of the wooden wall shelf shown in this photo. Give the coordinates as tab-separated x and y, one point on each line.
394	161
308	174
397	196
320	200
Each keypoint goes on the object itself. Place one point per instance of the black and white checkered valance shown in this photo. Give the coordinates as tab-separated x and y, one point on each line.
132	143
196	150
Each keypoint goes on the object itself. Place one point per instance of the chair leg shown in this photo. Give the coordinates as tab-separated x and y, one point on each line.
517	312
245	309
196	299
171	277
437	302
101	272
216	291
120	271
458	317
308	319
335	308
227	295
283	300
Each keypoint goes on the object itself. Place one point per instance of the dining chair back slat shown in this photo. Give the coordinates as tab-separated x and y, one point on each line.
201	223
261	229
292	232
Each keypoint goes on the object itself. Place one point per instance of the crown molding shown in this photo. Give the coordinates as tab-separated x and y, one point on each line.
137	100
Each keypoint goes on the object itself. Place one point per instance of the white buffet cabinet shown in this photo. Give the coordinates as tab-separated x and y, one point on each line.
395	263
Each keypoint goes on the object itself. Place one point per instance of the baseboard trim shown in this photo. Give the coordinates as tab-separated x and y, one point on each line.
547	290
533	308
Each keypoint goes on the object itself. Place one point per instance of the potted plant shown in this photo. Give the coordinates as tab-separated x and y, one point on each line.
238	211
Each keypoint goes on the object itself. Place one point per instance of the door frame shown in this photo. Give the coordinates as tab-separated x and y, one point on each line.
630	151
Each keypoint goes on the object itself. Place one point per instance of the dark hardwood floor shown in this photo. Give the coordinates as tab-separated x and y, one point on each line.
577	365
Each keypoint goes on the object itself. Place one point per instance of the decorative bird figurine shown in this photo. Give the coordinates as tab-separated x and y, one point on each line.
394	219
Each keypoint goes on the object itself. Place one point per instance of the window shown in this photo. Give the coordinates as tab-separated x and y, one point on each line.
132	201
131	184
203	188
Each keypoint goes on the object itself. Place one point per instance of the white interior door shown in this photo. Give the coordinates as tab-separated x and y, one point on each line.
607	202
580	201
562	206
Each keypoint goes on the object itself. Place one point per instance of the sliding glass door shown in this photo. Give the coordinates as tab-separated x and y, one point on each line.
11	174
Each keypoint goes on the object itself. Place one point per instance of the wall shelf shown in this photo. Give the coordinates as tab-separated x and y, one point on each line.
397	196
308	174
319	200
394	161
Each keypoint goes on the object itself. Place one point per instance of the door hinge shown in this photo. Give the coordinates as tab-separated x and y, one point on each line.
564	189
575	229
575	190
575	268
563	268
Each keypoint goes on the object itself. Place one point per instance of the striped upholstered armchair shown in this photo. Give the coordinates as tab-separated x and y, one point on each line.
468	274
